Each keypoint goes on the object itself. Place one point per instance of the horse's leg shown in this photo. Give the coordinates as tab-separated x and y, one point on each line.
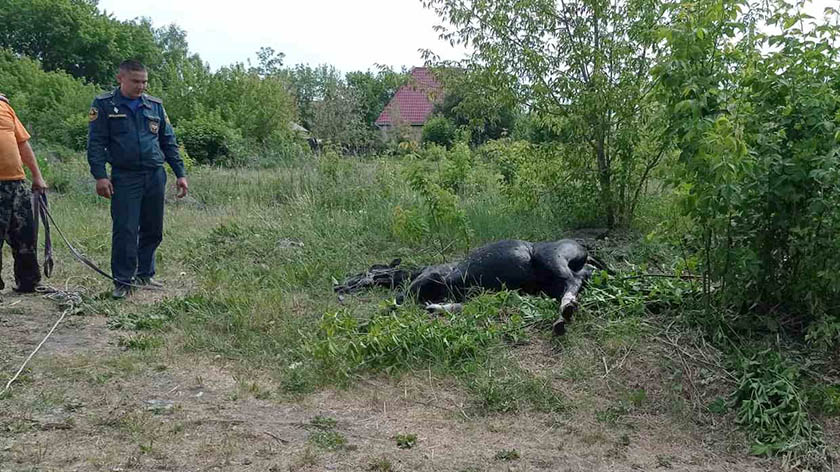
569	300
563	285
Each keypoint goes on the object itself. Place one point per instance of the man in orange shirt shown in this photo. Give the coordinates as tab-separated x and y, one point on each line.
17	224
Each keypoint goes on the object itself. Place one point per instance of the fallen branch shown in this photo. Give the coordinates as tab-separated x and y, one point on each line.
277	438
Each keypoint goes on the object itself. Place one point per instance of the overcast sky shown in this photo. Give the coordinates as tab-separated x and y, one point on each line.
349	34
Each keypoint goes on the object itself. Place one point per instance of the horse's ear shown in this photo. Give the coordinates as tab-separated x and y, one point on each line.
395	262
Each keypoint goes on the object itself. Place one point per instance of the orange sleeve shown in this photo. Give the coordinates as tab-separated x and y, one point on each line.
21	134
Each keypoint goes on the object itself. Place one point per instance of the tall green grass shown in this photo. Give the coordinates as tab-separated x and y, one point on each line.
255	253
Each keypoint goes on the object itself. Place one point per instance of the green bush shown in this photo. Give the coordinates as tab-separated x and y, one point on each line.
51	105
758	175
549	177
440	131
772	407
259	108
402	337
208	139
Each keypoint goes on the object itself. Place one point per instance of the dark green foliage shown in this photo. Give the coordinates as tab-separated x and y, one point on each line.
261	109
341	110
718	406
374	90
181	78
826	399
406	337
476	105
337	120
548	177
441	217
439	130
583	63
770	405
52	105
400	337
758	180
208	139
310	85
74	36
538	129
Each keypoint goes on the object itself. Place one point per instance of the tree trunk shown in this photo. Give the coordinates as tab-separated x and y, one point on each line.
605	180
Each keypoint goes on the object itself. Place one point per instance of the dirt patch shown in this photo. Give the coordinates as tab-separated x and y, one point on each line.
208	428
26	319
86	404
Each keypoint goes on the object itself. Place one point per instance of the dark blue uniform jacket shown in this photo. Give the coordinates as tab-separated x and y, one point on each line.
129	140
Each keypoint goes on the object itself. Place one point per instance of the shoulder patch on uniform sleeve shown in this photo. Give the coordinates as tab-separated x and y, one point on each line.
105	96
93	114
152	99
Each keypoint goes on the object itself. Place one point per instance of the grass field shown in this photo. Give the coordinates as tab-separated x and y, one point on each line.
248	361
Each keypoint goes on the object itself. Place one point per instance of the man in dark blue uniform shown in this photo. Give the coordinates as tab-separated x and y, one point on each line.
130	130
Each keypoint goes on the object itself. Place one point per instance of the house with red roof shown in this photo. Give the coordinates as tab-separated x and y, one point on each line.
413	104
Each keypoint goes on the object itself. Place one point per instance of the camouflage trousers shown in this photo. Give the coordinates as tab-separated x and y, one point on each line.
17	227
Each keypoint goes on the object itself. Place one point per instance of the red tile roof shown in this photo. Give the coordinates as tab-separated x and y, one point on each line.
413	102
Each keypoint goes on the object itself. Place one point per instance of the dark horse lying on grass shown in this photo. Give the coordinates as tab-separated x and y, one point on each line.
556	268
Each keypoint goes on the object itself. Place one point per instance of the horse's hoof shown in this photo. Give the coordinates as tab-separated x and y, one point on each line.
567	311
559	328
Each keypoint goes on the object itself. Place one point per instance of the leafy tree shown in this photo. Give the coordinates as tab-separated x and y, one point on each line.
439	130
310	85
374	90
472	104
337	119
587	61
50	104
756	117
261	108
74	36
208	139
270	61
180	76
339	110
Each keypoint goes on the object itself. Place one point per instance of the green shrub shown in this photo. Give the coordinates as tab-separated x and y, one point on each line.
771	406
758	174
208	139
550	178
406	336
52	105
440	131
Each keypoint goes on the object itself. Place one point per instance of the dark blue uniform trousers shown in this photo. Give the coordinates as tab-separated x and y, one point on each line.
137	216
